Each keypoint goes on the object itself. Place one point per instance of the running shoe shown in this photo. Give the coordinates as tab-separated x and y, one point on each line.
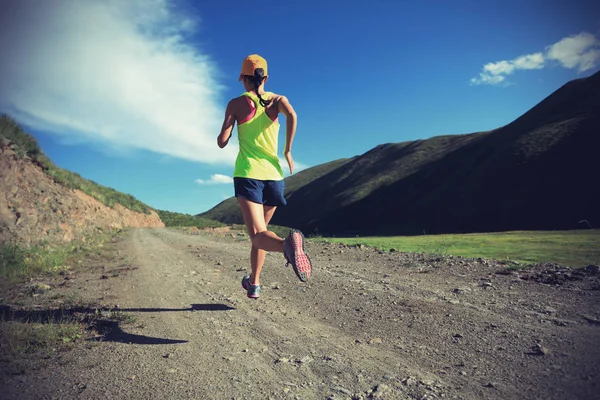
295	254
253	291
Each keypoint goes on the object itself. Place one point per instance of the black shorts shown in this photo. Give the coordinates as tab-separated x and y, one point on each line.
268	193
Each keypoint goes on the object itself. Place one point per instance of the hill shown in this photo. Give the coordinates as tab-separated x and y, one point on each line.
42	202
537	172
229	212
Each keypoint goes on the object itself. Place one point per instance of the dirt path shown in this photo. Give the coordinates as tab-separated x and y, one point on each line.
369	325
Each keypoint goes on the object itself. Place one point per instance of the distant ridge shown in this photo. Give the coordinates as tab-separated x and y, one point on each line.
539	172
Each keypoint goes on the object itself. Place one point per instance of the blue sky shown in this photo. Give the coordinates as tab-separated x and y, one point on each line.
132	94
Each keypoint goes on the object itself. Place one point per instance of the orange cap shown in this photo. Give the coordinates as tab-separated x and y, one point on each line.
252	62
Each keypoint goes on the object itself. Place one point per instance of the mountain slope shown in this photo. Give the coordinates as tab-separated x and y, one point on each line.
41	202
534	173
229	212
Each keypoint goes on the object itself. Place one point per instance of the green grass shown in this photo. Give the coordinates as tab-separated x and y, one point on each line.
122	317
26	145
29	337
103	194
19	262
22	262
571	248
177	219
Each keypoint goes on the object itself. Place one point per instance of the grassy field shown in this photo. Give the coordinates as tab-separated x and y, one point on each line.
19	262
571	248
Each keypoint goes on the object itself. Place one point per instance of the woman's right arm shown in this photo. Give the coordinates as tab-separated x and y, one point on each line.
227	127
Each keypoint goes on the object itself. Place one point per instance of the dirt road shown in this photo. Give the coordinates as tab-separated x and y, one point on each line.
369	325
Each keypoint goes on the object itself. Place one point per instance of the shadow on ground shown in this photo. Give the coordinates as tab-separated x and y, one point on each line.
106	321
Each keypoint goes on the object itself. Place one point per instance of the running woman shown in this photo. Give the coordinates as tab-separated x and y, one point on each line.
258	177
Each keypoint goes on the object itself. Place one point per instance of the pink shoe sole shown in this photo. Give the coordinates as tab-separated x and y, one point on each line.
302	265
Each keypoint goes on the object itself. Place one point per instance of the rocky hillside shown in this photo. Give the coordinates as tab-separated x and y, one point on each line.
538	172
36	207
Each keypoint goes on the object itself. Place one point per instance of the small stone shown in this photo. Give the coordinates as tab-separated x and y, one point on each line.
592	269
286	389
342	390
427	381
409	381
375	341
381	390
538	350
305	360
282	360
171	370
591	320
549	310
219	263
41	288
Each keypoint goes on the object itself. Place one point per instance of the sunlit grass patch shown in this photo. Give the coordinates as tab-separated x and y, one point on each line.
17	261
29	337
571	248
122	317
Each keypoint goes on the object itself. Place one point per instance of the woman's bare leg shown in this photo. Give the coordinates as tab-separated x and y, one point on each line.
257	256
256	217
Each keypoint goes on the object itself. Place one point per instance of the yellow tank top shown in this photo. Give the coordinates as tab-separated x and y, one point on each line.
257	157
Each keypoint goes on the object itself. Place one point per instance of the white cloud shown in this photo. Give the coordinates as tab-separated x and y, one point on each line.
216	179
118	73
580	51
501	67
530	61
487	79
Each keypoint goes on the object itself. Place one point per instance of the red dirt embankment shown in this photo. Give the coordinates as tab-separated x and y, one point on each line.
34	208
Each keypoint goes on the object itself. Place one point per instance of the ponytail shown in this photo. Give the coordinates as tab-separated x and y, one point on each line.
257	80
